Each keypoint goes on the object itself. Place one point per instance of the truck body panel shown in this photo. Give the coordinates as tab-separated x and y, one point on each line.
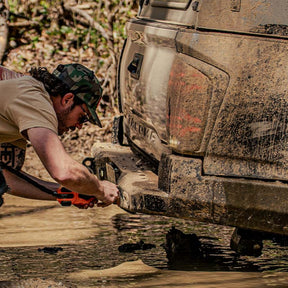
203	96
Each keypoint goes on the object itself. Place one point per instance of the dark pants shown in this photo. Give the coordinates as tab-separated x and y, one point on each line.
11	156
3	186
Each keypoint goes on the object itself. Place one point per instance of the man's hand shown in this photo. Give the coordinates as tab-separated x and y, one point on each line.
110	194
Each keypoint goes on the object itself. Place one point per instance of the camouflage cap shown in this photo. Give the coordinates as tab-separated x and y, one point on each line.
83	83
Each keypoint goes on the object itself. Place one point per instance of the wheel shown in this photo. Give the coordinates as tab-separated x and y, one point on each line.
246	242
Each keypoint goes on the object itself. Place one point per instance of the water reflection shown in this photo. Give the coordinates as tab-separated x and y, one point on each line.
94	259
216	254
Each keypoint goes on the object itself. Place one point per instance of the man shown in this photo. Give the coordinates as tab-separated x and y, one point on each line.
38	108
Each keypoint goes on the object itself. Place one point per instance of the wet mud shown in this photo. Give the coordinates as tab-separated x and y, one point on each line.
45	245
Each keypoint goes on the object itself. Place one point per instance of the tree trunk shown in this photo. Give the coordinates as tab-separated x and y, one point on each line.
4	13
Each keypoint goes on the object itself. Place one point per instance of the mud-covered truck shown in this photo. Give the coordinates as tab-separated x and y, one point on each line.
203	92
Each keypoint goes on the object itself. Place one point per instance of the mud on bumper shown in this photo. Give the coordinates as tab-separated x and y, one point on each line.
181	190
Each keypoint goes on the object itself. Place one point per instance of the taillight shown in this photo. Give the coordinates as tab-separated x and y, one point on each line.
189	93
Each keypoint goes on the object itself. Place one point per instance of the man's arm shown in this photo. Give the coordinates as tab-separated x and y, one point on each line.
65	170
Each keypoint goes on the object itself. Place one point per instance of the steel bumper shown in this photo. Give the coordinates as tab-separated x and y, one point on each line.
181	190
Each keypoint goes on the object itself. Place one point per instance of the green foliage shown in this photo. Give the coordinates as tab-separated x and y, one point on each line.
53	32
110	14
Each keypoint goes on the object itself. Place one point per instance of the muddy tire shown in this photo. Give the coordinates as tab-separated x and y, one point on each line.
246	242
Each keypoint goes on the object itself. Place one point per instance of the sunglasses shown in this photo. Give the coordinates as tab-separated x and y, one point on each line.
84	118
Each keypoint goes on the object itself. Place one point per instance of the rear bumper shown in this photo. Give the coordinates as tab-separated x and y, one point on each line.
181	190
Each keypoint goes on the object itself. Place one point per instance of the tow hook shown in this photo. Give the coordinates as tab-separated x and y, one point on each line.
105	170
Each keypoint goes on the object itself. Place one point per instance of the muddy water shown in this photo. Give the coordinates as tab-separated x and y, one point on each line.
44	245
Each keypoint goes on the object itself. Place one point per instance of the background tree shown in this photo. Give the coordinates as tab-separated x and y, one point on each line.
45	33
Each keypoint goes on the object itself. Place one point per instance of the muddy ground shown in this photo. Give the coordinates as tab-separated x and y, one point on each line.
44	245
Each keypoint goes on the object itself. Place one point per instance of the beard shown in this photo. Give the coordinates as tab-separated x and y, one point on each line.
62	117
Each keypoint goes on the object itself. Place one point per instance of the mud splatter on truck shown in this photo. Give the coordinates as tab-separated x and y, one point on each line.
203	93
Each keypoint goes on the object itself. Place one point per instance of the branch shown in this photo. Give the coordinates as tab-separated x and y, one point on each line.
89	19
23	23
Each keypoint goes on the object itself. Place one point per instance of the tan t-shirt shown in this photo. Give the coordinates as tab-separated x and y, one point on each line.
24	104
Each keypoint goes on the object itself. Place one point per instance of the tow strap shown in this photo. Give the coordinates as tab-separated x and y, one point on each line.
64	196
25	177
